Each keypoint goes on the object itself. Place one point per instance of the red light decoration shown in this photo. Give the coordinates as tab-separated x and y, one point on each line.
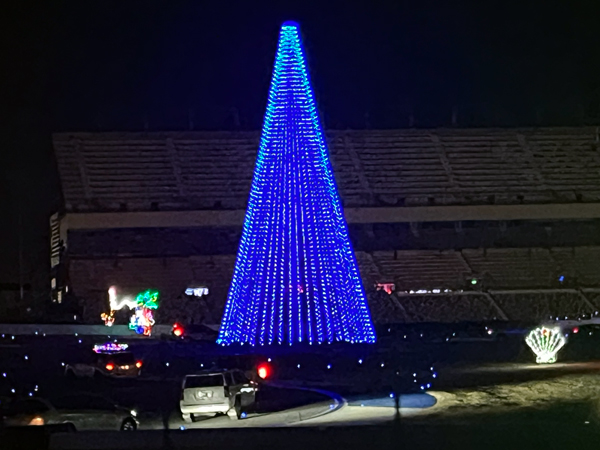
138	364
575	330
387	287
263	370
177	330
110	366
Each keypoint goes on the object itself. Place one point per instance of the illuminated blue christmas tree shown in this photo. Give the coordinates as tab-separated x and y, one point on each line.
296	277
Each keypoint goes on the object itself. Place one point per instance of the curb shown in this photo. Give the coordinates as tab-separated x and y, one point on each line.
338	402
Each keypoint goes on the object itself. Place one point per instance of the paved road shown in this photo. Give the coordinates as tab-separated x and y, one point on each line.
332	412
375	410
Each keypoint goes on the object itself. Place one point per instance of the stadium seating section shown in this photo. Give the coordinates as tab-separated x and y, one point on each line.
179	171
213	170
515	284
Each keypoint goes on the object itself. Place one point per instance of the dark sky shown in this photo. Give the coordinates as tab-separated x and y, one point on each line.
131	65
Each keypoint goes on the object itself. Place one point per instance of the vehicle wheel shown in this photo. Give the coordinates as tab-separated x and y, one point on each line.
70	374
128	425
187	418
236	412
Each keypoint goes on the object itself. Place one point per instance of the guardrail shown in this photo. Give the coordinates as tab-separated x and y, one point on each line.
83	330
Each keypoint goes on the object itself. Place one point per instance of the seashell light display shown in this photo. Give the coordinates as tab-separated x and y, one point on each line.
545	343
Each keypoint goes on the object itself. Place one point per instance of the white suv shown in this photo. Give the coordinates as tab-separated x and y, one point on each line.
216	392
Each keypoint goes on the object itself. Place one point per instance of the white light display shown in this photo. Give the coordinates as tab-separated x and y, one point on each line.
116	305
545	343
432	291
196	291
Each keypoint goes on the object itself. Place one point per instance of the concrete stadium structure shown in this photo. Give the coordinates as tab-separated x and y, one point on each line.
447	224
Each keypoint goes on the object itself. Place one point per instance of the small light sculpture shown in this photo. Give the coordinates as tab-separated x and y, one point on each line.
110	347
108	319
142	319
545	343
196	291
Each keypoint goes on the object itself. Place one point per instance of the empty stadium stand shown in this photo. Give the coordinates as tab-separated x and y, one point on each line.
466	224
142	171
429	285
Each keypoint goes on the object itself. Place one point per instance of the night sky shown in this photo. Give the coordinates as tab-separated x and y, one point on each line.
169	65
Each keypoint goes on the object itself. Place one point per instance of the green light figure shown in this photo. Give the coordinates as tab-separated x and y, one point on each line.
142	319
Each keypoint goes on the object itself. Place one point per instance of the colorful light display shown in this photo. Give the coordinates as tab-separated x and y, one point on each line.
545	343
108	319
296	277
110	347
142	319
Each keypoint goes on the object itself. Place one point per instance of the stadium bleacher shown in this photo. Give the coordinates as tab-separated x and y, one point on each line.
139	171
429	285
212	171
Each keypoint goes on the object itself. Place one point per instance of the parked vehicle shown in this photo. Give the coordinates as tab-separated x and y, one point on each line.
81	411
114	364
216	392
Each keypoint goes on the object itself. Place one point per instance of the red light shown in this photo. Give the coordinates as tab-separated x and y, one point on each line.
177	330
575	330
110	366
263	370
138	364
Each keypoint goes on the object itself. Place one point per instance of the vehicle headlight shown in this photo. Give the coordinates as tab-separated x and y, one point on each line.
133	412
37	420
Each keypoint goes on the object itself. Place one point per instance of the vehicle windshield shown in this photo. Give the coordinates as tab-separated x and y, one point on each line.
203	381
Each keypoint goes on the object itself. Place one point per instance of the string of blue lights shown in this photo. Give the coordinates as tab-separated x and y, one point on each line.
296	278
